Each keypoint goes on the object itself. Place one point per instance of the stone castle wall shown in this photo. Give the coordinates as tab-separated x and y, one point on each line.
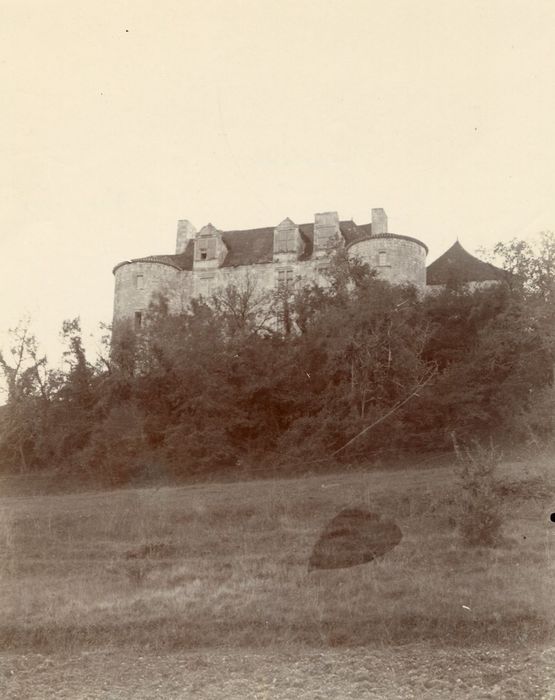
138	283
180	286
398	259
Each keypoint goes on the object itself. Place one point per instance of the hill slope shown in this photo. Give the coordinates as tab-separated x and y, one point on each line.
226	565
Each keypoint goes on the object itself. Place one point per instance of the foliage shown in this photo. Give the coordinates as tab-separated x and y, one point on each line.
26	419
531	265
246	379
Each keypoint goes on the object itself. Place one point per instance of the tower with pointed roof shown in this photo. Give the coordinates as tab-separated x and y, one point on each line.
458	267
286	254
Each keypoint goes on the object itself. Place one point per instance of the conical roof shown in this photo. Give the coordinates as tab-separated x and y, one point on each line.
458	265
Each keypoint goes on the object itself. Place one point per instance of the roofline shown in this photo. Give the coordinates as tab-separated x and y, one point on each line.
146	260
498	273
155	259
388	235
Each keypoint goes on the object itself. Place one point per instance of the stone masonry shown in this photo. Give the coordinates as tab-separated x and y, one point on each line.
286	254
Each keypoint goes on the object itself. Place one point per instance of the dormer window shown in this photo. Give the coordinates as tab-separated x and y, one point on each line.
210	249
286	238
206	248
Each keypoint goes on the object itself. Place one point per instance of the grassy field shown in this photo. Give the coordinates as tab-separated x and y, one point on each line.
225	565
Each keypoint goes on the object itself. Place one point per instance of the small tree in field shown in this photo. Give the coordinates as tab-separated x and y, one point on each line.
480	513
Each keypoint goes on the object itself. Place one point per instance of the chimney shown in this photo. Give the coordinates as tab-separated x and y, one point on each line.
379	222
185	232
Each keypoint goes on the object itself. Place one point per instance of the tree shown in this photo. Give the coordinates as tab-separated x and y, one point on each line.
361	350
495	353
531	265
31	387
77	397
243	307
533	268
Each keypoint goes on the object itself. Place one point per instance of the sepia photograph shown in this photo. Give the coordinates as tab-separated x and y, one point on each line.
277	350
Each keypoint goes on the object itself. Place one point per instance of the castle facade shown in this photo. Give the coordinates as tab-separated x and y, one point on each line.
286	254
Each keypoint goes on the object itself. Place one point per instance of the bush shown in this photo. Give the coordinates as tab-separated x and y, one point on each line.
480	518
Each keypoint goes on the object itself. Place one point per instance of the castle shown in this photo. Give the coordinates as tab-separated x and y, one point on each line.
286	254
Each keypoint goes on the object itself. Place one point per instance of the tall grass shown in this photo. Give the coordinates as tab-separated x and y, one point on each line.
213	566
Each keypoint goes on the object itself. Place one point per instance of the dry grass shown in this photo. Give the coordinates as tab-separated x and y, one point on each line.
226	565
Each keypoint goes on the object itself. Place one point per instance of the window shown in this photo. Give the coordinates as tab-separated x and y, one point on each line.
206	285
285	277
382	258
286	240
138	320
206	248
139	282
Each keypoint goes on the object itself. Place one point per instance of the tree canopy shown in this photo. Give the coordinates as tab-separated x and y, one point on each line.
250	380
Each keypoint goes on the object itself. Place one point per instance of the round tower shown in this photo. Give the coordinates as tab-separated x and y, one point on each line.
398	259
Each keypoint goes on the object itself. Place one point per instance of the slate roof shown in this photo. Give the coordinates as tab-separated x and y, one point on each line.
365	232
456	264
248	247
183	261
253	246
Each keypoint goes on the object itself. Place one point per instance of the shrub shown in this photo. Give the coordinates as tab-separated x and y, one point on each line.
480	518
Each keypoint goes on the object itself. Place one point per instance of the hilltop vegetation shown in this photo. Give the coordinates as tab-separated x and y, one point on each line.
159	590
248	382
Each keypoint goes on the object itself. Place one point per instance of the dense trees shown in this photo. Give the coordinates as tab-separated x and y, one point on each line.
250	380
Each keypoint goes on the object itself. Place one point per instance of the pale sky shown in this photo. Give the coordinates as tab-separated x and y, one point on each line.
119	118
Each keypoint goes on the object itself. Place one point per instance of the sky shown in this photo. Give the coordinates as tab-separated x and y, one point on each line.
119	118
